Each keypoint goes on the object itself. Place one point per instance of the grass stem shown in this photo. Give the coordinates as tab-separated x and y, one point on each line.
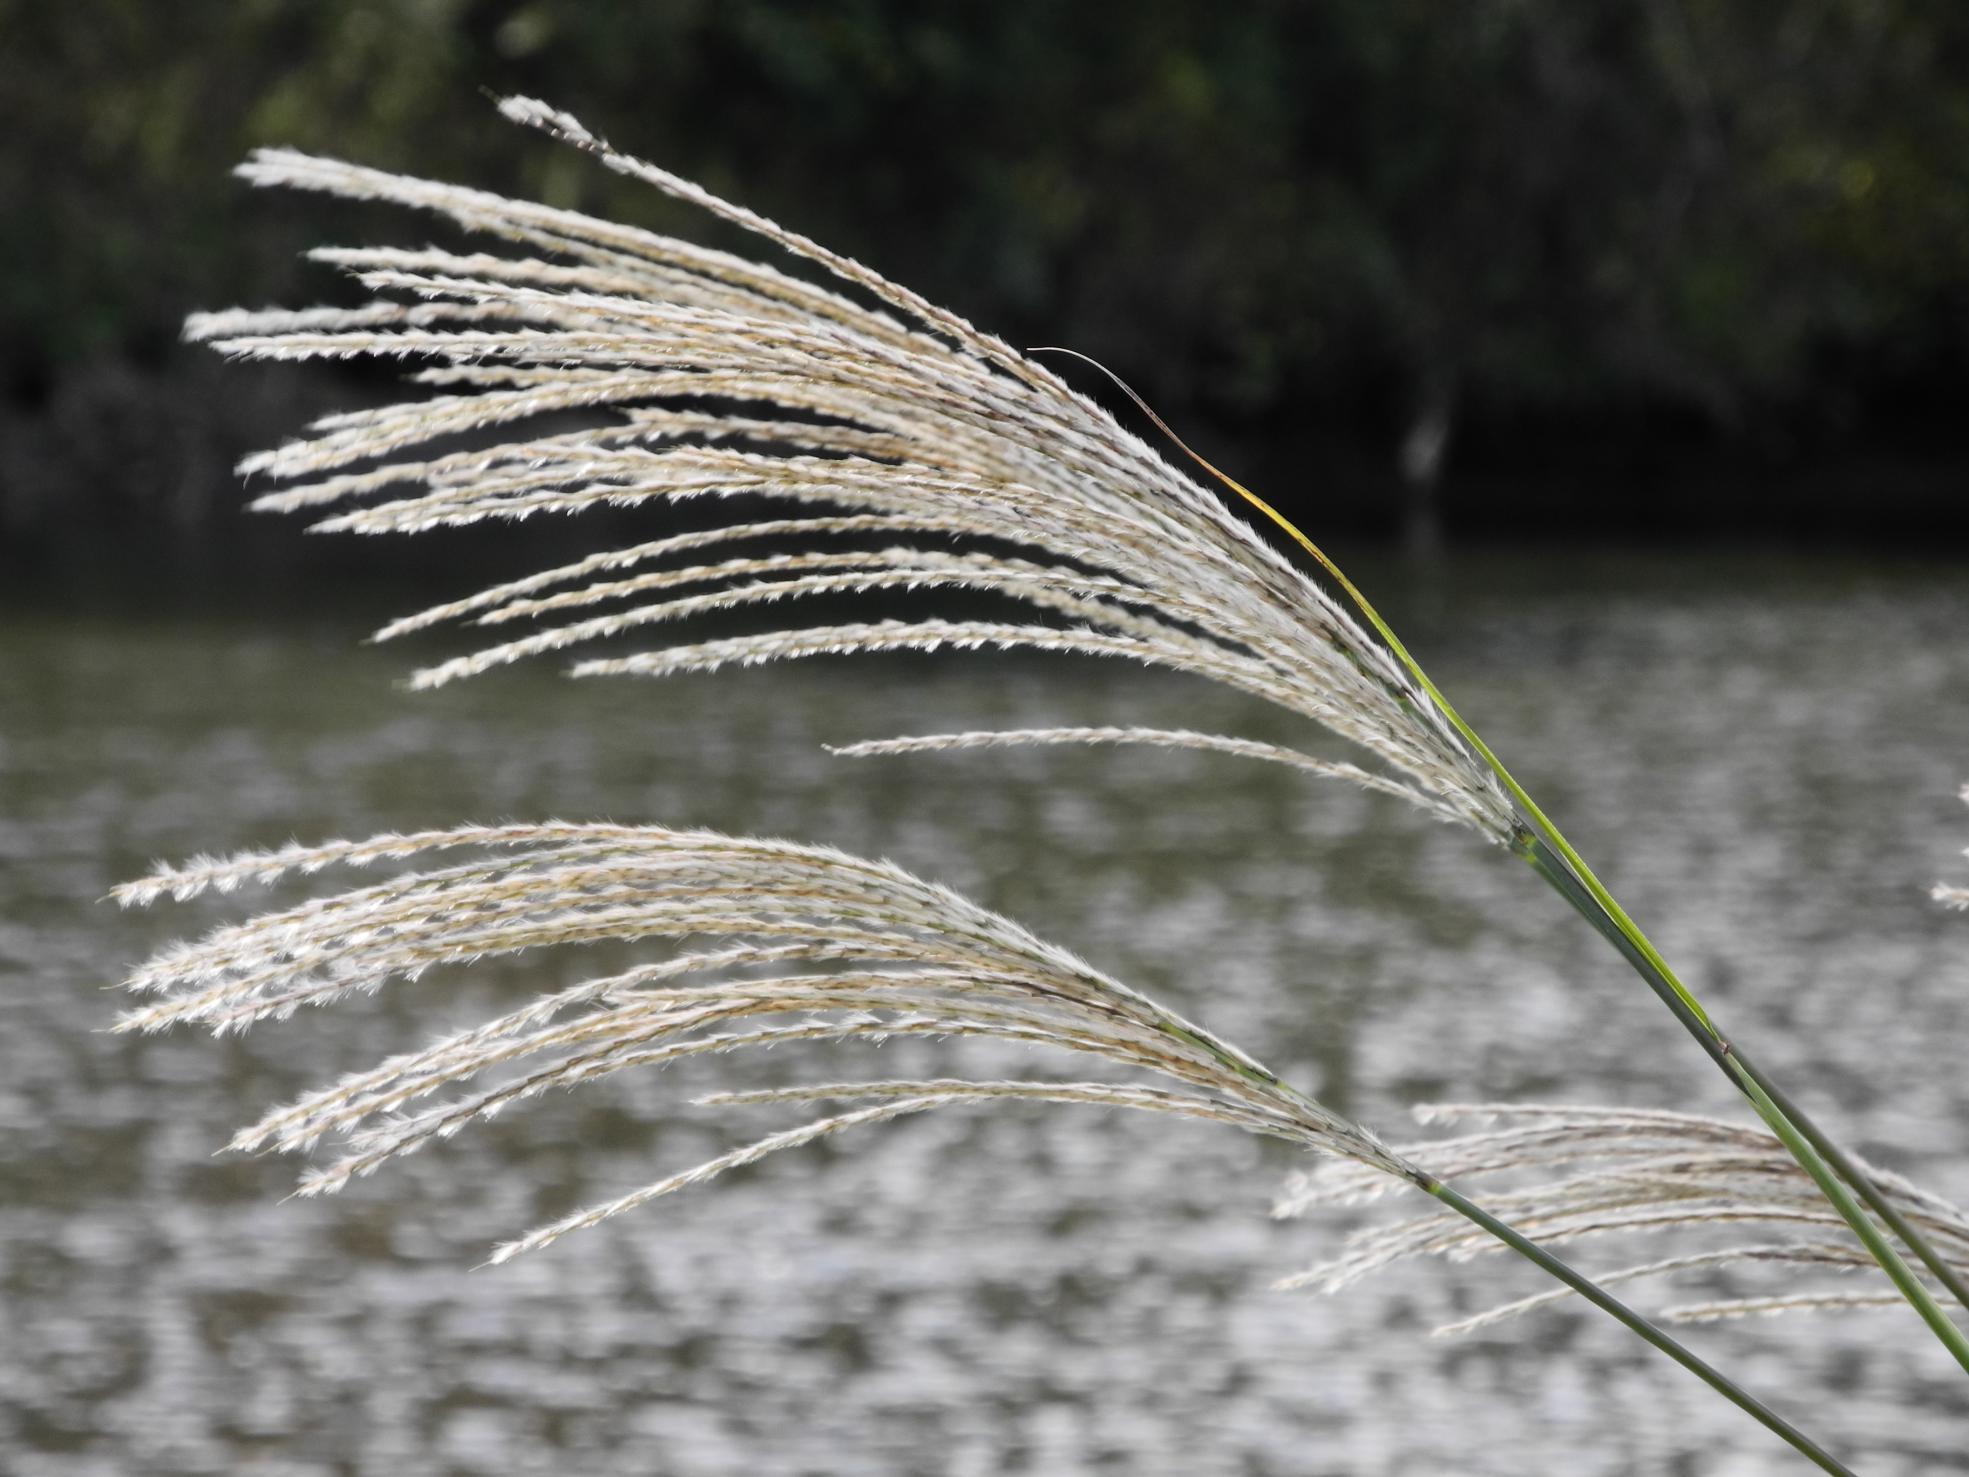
1945	1273
1835	1190
1783	1120
1654	1335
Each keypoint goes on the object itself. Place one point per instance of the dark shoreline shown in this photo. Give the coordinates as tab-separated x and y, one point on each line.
118	488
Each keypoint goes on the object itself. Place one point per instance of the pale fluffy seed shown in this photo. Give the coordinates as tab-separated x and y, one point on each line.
866	402
817	947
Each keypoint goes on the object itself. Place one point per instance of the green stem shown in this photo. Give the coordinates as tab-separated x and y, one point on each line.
1541	859
1783	1121
1835	1190
1651	1332
1667	1344
1945	1273
1563	1271
1750	1080
1808	1144
1655	1335
1551	1264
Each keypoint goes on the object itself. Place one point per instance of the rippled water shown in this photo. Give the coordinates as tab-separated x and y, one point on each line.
1764	756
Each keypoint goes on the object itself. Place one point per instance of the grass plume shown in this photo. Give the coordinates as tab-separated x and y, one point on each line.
876	444
862	411
814	945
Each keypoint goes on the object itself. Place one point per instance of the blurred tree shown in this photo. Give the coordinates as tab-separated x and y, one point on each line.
1387	222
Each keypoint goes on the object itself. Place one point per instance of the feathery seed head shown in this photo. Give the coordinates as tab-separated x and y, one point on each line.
811	945
865	409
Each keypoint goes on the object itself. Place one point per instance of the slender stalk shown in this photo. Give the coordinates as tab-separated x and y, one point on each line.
1542	860
1651	1332
1744	1074
1784	1120
1809	1144
1660	1339
1599	1297
1945	1273
1836	1191
1612	921
1806	1141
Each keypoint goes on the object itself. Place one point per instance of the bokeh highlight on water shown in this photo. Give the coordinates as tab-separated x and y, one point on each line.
1764	755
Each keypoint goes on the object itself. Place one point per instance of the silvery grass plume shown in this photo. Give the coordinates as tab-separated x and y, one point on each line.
812	945
1567	1174
864	411
774	943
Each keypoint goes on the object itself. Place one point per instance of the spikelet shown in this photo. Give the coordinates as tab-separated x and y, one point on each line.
1604	1172
859	411
814	946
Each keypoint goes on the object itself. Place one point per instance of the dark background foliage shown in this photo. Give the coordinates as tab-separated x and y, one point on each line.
1662	268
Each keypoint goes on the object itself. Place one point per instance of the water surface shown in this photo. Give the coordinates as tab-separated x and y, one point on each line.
1764	755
